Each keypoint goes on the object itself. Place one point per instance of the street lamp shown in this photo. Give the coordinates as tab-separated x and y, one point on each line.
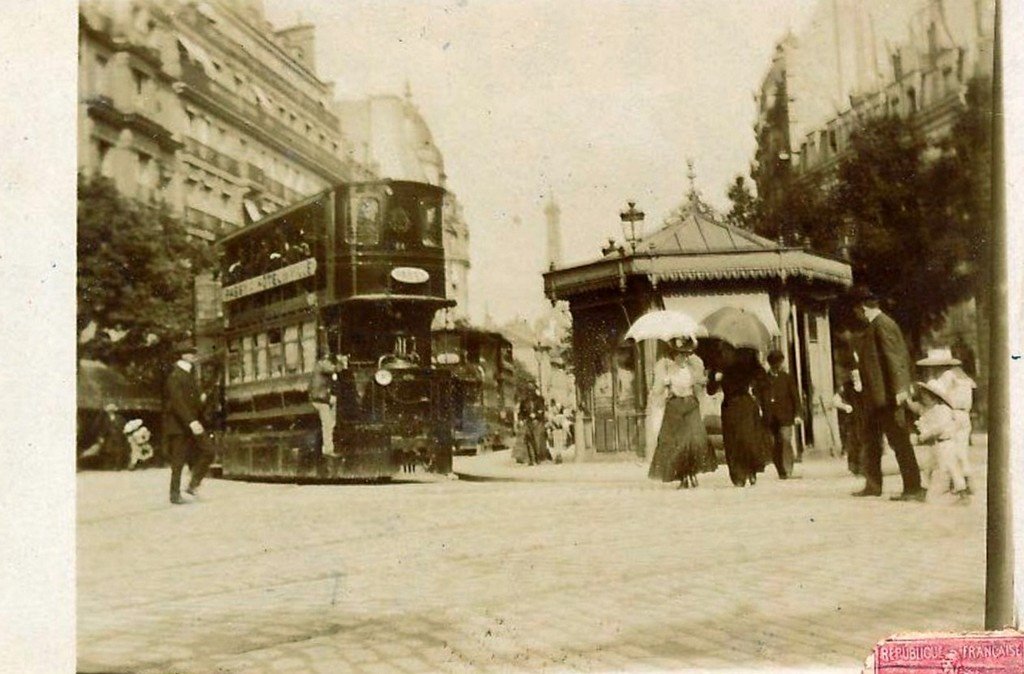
632	225
538	349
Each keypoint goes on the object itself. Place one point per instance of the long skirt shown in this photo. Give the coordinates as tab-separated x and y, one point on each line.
745	438
683	449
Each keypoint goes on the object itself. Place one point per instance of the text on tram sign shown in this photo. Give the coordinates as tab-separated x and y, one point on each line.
278	277
410	275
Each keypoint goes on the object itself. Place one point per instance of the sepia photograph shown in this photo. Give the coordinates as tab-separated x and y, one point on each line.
575	336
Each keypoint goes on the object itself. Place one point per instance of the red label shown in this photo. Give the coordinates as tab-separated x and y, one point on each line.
980	654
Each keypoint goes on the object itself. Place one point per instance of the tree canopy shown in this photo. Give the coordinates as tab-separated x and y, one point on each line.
136	266
915	212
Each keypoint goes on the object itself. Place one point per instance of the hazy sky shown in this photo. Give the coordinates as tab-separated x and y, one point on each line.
596	101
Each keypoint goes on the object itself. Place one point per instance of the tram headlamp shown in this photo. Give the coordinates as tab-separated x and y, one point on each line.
383	377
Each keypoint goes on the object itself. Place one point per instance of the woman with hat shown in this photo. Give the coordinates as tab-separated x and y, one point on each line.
744	435
682	449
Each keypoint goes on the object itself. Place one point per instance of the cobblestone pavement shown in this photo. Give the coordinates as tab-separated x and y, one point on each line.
498	577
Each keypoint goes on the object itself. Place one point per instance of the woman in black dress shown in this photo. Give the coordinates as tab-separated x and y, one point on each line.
743	432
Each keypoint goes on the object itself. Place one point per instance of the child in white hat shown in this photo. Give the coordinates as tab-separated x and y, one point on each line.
939	427
941	366
138	440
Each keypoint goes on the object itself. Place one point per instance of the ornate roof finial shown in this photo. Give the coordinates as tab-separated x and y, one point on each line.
691	175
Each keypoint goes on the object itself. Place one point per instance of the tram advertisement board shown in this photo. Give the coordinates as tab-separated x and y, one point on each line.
278	277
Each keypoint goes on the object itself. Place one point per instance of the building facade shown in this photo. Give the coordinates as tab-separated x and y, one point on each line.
861	59
206	108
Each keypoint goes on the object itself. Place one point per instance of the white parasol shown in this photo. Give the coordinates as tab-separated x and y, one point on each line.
664	325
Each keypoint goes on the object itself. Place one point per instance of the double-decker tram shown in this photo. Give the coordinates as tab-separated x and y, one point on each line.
483	386
353	275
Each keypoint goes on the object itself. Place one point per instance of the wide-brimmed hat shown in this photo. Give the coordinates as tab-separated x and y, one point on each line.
934	387
132	426
938	357
862	293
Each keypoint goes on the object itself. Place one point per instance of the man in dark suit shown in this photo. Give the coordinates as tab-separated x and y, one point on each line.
885	371
531	413
181	425
780	404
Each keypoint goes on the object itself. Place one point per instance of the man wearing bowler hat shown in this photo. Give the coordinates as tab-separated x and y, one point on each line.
885	371
181	424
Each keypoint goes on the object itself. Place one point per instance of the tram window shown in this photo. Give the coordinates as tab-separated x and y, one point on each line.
275	353
365	229
292	352
261	356
308	345
431	218
248	371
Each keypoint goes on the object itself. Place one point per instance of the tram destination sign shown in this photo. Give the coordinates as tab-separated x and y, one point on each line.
273	279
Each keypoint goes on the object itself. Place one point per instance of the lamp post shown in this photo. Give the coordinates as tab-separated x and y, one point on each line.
632	225
540	348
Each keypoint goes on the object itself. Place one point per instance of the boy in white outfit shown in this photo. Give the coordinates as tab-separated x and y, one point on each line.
941	366
939	427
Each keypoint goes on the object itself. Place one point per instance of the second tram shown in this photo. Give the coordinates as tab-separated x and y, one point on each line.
483	387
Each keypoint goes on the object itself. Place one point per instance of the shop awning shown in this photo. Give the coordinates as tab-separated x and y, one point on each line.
700	307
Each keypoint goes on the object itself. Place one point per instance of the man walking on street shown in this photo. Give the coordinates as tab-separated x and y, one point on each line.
780	404
181	425
885	370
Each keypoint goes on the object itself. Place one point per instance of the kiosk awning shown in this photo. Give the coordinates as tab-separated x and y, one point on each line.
699	307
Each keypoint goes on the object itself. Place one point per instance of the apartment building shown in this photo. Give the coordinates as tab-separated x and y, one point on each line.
207	108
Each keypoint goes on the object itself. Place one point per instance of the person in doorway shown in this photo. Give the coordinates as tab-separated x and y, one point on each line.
181	425
324	399
885	370
682	451
780	405
743	433
849	399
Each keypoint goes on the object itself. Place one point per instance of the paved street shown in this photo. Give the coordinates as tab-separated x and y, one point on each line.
507	576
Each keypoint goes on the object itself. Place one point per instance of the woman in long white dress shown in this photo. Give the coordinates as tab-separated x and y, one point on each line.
682	441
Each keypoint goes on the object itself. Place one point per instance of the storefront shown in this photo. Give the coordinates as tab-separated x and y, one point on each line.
696	265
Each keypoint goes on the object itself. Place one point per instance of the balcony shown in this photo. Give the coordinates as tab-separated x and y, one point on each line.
103	109
255	175
310	106
273	131
213	157
207	222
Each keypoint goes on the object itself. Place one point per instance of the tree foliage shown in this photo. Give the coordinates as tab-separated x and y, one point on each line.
136	266
745	209
904	199
916	212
